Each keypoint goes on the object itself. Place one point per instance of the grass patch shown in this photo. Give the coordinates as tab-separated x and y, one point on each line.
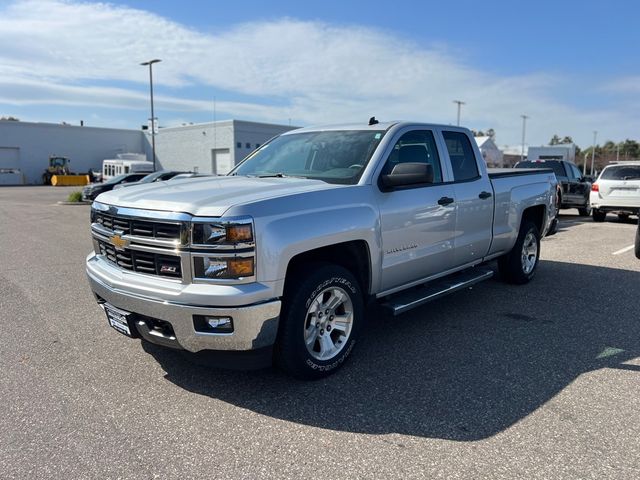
74	197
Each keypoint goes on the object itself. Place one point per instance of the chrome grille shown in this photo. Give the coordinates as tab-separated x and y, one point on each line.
140	228
142	262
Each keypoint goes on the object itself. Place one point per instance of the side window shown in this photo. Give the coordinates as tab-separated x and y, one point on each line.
418	146
576	173
463	160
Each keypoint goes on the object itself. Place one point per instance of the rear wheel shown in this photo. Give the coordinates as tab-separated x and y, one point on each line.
585	211
322	317
598	215
519	265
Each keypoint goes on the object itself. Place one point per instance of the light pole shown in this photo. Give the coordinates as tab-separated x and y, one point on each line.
153	118
524	130
593	150
460	103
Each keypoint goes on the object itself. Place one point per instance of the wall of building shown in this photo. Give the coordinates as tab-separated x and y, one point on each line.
27	146
194	147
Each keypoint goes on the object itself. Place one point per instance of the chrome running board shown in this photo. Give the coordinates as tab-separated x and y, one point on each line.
417	296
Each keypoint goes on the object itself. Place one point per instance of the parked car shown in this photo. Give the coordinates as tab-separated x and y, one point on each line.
280	257
617	190
574	187
152	177
90	192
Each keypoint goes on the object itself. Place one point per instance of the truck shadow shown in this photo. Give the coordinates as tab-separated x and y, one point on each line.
464	368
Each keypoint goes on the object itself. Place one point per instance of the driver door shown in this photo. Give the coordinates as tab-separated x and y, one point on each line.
417	221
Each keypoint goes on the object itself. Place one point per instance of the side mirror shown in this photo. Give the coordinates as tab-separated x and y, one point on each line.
409	173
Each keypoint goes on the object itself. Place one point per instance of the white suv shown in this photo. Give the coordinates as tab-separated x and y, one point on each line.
617	190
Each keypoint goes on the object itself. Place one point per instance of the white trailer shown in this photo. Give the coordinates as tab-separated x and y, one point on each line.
125	163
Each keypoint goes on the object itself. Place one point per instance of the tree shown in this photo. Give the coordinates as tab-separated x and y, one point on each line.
9	118
555	140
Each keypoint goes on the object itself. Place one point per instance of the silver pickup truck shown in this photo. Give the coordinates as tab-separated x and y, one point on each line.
282	255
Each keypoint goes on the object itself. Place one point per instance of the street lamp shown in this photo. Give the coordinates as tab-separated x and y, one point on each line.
460	103
593	150
524	129
153	118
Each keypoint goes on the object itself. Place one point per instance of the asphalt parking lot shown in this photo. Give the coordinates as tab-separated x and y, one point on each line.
539	381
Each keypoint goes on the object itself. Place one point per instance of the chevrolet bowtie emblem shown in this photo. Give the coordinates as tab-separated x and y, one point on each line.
119	242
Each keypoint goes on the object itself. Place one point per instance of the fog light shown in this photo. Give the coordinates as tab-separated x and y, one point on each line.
212	324
219	322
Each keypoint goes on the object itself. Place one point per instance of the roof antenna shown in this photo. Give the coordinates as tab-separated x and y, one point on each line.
373	121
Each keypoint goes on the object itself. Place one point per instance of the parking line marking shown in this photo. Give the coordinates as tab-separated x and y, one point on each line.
622	250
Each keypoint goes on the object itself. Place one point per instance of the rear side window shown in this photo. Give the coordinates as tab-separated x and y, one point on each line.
621	172
418	146
463	160
555	165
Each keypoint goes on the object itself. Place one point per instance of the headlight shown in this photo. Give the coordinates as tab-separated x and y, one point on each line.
223	249
211	267
223	233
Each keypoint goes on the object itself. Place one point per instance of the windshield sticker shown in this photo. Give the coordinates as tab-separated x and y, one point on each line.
378	135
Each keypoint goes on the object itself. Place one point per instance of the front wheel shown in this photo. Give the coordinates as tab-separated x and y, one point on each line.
519	265
321	320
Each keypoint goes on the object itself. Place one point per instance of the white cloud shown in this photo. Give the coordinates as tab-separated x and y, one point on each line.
63	53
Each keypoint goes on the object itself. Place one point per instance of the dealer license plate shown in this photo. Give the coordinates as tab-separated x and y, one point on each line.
118	319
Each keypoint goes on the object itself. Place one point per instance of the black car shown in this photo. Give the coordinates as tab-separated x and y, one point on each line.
90	192
152	177
574	187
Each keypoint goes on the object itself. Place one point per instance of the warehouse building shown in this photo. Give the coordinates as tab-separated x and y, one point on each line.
26	147
214	147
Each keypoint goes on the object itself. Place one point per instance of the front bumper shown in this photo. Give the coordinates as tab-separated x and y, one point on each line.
255	324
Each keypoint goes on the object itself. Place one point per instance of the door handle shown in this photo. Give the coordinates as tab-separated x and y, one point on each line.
445	201
484	195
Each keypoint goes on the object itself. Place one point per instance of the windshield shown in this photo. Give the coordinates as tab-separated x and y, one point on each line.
555	165
621	172
116	179
332	156
152	177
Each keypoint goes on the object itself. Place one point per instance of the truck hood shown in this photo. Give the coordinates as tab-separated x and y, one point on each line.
211	196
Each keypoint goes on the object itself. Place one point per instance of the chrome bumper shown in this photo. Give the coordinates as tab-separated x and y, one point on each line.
255	325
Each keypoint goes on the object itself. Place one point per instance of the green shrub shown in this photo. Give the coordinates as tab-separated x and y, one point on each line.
74	197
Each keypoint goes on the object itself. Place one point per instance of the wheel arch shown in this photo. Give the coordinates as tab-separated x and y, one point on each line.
354	256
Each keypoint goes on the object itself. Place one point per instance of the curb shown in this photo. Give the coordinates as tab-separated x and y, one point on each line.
74	203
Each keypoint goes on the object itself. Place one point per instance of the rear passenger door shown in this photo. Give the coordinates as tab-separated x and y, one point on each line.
474	199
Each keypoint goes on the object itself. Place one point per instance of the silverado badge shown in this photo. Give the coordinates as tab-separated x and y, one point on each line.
119	242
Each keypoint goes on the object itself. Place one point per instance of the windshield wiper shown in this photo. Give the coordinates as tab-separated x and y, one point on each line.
272	175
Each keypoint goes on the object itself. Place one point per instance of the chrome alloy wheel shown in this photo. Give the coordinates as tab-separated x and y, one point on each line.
529	253
328	323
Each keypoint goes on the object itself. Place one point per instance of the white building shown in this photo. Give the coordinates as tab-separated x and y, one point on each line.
211	147
206	148
565	151
26	146
490	152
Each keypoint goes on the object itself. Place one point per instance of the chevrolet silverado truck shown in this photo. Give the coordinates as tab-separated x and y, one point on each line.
282	255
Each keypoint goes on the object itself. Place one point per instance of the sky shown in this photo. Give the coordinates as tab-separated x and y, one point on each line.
571	67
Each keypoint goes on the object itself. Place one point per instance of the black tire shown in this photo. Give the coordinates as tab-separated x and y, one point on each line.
511	265
585	211
598	216
291	352
623	217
